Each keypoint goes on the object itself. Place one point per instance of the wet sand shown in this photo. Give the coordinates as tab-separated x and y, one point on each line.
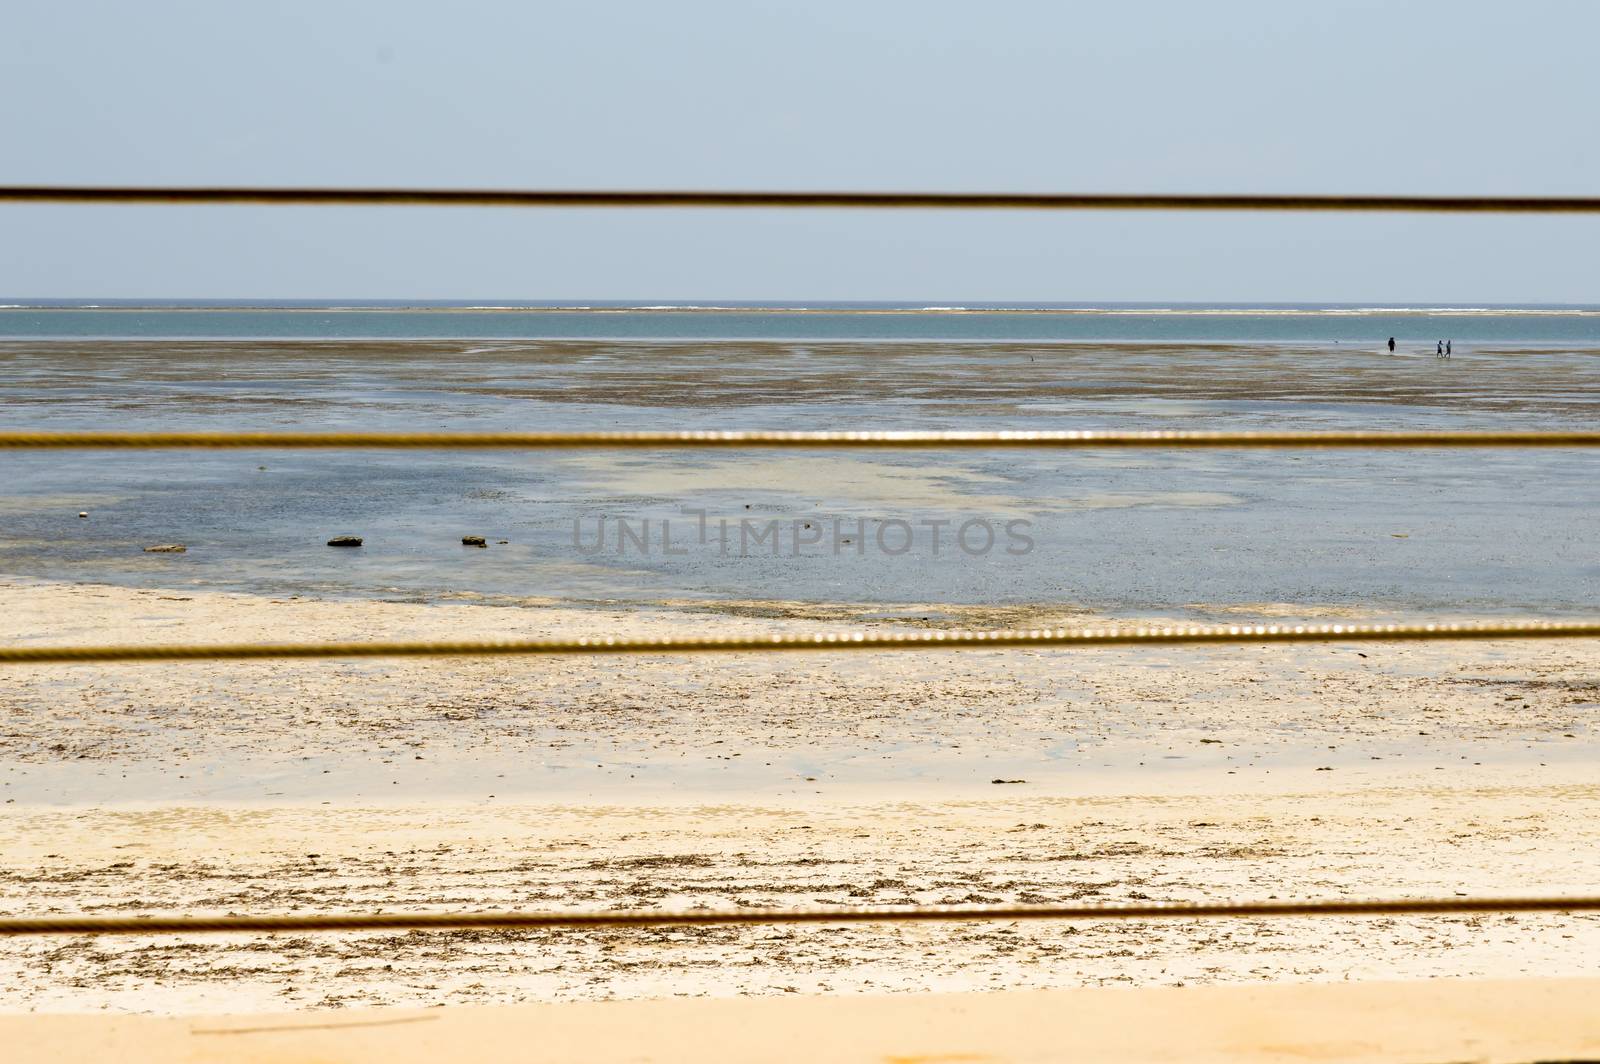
1426	531
1317	771
184	380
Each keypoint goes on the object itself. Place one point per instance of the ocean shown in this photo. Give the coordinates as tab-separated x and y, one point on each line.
1147	534
979	322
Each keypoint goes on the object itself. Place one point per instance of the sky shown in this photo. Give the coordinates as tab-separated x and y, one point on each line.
1355	96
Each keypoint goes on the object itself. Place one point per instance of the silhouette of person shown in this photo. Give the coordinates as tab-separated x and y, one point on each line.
1391	345
1438	352
1447	349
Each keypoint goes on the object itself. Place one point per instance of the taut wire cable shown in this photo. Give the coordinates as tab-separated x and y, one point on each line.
501	921
821	641
788	200
1069	440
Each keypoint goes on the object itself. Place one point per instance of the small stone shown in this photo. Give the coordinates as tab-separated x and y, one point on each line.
474	541
83	513
167	548
502	542
1008	781
345	541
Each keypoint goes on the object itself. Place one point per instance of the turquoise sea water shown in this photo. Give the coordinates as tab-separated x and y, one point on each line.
881	321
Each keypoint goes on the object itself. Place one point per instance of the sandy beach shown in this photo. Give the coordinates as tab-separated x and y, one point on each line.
1316	771
1182	774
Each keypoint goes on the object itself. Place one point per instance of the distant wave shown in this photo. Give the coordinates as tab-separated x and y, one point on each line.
1498	311
1318	312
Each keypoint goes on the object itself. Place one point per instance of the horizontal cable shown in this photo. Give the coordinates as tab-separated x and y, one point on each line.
762	439
499	921
822	641
460	197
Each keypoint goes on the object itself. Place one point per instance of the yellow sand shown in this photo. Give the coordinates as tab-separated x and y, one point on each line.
1443	1020
1323	771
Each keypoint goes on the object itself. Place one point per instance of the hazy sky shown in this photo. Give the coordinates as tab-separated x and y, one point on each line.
1358	96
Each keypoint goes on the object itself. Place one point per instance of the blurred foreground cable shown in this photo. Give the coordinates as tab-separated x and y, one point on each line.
491	921
680	198
822	641
763	439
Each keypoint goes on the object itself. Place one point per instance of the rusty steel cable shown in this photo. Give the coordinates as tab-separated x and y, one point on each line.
786	200
1173	635
735	440
502	921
